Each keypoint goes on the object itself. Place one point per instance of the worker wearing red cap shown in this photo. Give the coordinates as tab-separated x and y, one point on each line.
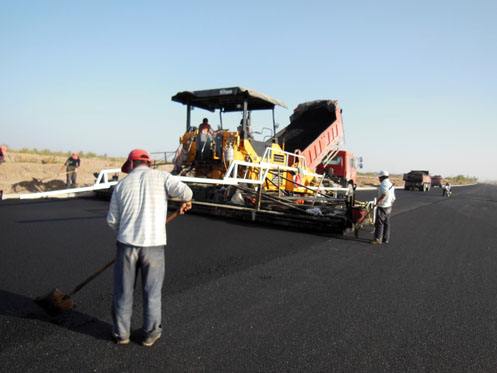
137	212
3	153
72	164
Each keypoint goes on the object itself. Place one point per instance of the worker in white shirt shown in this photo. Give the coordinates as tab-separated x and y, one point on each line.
386	198
137	212
446	190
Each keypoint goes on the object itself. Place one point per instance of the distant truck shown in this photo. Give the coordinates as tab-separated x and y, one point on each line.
417	180
437	181
342	168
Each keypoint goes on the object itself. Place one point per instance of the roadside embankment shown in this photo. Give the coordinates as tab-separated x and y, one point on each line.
25	172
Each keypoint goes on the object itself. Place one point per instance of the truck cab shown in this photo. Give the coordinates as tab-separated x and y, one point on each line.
342	168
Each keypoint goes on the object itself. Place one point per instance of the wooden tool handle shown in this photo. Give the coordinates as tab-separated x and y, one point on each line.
172	216
89	279
169	219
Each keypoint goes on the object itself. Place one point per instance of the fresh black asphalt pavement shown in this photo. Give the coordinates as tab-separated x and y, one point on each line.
246	298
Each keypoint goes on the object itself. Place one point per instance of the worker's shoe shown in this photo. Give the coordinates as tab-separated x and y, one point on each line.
121	341
375	242
150	340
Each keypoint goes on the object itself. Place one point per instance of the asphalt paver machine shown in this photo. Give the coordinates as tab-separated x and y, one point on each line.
273	181
234	175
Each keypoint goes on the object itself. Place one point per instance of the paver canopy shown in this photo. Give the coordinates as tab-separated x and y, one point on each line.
227	99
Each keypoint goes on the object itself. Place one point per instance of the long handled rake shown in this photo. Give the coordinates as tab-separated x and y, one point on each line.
57	302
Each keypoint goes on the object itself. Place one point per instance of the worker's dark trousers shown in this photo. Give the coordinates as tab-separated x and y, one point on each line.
150	261
71	178
382	225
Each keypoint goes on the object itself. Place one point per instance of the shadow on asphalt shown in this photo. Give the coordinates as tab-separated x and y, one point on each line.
17	202
22	307
357	239
55	220
31	202
257	224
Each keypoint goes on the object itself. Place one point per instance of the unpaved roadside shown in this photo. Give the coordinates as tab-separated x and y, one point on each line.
23	172
369	180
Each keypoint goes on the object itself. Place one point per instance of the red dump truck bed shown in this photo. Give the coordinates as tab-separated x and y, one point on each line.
315	130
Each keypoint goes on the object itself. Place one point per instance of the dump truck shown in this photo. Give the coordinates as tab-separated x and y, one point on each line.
417	180
316	132
273	181
437	181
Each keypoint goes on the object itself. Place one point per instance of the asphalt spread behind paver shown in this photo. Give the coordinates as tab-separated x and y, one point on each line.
250	298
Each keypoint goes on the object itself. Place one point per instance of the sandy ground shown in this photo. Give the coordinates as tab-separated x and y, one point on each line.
23	173
370	180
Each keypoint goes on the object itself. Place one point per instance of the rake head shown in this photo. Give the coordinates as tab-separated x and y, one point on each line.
55	302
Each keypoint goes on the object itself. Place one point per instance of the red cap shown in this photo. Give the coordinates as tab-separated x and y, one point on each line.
135	155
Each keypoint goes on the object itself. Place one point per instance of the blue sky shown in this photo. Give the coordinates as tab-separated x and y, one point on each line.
416	80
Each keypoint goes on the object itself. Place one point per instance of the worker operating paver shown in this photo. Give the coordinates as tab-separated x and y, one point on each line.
386	198
138	212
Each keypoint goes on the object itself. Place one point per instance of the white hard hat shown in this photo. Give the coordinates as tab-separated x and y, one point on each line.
383	174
